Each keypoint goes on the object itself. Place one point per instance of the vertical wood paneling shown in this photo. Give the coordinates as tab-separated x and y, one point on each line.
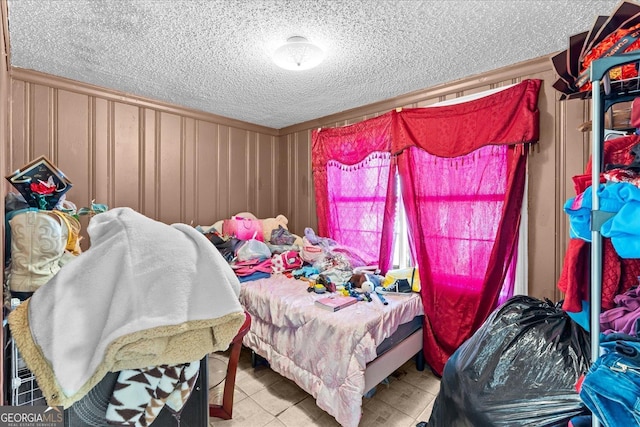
286	172
18	144
169	165
100	155
224	173
207	177
70	143
306	196
126	155
252	170
572	156
266	204
41	105
150	164
544	206
190	171
238	173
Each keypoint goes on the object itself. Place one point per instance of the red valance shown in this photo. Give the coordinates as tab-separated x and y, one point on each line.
351	144
507	117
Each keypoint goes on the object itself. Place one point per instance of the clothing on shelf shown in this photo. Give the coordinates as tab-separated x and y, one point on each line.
618	274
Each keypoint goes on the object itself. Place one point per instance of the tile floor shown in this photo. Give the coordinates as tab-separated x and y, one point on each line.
264	398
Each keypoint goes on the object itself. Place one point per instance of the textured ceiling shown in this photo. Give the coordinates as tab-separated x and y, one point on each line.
214	55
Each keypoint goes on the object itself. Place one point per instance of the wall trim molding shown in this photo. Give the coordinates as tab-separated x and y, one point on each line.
36	77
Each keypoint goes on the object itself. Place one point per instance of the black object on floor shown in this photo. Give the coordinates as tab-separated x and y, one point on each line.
257	360
519	369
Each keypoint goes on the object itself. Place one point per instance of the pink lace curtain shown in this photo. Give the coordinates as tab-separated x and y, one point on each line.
462	173
357	198
353	175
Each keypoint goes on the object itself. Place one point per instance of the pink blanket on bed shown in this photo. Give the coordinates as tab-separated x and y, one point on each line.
324	352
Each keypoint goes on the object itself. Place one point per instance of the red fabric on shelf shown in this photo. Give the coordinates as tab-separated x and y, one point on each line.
610	275
575	273
618	275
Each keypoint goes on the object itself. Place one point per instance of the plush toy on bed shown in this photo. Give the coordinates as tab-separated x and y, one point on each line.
218	225
364	282
268	226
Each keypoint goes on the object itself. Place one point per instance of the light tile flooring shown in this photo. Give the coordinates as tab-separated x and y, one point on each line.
264	398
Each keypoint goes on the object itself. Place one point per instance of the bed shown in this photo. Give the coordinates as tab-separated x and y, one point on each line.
336	357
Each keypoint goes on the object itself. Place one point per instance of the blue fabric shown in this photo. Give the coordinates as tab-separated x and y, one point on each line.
254	276
581	421
624	227
579	208
611	388
616	336
582	317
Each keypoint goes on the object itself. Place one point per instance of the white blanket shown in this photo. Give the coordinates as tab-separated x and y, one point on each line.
144	294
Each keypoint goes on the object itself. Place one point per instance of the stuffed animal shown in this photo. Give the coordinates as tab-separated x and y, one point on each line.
268	225
218	224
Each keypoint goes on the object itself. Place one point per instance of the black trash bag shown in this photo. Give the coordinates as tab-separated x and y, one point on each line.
519	369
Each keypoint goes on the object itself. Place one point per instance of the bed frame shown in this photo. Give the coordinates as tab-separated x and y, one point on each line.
384	365
284	319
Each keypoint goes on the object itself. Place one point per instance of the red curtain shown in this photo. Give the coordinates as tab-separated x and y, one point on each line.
420	138
467	222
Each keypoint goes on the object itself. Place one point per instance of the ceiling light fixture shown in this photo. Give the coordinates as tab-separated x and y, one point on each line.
298	54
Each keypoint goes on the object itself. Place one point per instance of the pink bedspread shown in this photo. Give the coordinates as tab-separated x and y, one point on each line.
324	352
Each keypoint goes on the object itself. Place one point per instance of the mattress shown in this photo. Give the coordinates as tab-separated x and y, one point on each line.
325	353
403	332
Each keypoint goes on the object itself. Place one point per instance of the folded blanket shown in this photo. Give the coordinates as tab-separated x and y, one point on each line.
140	394
144	294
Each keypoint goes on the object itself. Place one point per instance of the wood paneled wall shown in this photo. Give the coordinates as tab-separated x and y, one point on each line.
172	164
176	164
561	153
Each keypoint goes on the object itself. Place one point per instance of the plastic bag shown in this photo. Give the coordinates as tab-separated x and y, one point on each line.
281	236
253	249
519	369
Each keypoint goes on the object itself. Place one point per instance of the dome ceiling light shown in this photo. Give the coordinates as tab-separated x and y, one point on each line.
298	54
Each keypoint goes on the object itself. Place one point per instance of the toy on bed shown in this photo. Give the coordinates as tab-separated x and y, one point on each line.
270	228
362	286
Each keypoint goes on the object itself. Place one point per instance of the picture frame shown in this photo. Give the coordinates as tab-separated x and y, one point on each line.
40	169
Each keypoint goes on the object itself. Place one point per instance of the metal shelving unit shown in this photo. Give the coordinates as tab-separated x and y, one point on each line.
604	94
24	388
